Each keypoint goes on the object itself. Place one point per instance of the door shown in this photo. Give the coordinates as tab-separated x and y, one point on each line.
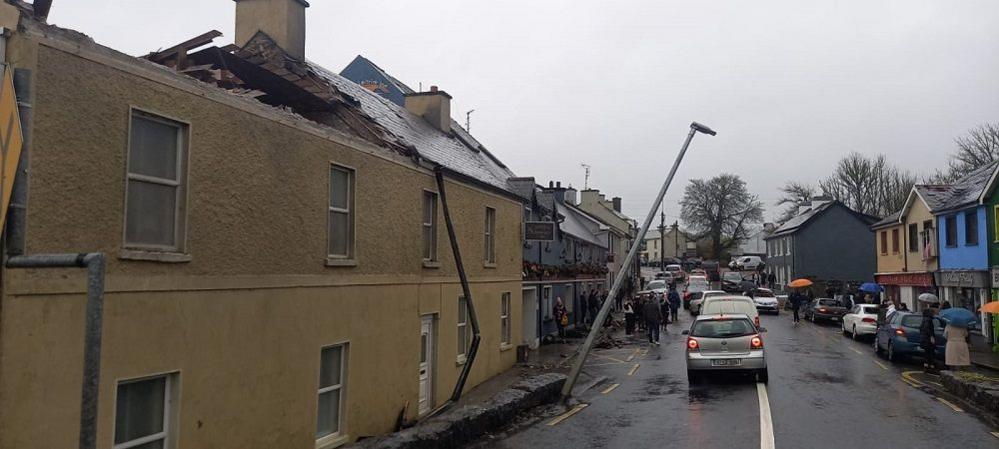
531	317
427	353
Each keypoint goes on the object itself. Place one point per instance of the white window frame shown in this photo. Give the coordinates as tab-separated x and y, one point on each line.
167	434
490	237
431	261
505	329
339	437
350	258
150	251
462	330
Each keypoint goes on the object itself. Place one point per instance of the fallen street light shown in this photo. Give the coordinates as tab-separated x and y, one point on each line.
598	322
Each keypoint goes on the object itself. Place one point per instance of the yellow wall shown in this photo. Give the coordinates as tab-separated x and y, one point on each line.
242	322
891	262
918	213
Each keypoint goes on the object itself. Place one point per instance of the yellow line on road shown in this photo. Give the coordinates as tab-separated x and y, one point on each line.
633	355
578	408
882	365
950	404
995	434
610	388
858	352
633	369
907	376
911	383
608	358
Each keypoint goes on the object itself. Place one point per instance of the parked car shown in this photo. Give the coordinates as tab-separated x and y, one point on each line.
699	272
766	301
899	336
747	263
665	276
694	289
824	309
659	286
731	282
862	319
725	343
730	304
695	304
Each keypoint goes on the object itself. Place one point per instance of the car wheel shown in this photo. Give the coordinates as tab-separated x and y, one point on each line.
892	357
763	376
842	328
853	334
877	346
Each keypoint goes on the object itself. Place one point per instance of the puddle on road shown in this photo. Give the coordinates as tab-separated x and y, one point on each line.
657	386
823	377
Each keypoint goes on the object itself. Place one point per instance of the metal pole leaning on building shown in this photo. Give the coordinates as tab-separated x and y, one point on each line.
577	367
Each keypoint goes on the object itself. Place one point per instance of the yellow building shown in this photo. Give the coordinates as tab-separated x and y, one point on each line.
907	247
277	277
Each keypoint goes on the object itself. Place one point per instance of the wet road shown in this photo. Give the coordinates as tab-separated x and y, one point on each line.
825	391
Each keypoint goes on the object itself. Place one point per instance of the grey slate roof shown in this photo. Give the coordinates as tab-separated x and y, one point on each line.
967	190
891	219
457	153
799	220
574	226
934	195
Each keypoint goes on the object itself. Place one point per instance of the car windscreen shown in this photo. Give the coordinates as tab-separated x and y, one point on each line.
763	294
723	328
672	268
829	302
656	285
730	276
869	310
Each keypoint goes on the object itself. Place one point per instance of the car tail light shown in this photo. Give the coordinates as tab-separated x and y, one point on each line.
823	310
869	320
756	342
692	344
900	332
757	321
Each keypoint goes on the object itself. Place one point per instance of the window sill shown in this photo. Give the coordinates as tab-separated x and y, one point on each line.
489	264
335	262
506	347
331	441
154	256
460	360
431	264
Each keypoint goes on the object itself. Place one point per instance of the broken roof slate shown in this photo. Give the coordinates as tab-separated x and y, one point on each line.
967	190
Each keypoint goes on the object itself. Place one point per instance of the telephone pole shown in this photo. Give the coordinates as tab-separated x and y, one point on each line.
662	240
676	238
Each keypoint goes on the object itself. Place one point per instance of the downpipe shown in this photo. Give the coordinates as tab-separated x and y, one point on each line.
466	291
93	327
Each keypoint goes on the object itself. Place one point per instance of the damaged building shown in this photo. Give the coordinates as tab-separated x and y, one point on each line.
278	274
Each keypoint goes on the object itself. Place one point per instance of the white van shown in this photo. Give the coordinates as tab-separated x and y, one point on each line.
727	305
748	263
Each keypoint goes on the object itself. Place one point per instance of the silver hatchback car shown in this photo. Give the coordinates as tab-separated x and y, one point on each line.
725	343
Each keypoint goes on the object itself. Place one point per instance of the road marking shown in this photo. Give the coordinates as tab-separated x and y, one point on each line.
610	388
633	355
911	383
766	423
995	434
907	376
882	365
633	369
858	352
950	404
578	408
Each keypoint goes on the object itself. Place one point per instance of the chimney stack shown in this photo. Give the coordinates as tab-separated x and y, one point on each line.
617	203
433	106
40	9
570	196
282	20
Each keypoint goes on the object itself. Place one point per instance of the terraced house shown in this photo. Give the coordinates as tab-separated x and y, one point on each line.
276	244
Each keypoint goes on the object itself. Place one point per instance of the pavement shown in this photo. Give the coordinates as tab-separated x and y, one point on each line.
825	391
982	353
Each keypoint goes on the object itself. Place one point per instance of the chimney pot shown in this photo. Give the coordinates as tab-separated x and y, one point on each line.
558	185
433	88
551	184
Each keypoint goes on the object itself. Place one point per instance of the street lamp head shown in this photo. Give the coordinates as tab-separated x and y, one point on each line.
702	129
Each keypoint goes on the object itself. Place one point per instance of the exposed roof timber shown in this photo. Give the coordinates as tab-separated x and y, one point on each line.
182	48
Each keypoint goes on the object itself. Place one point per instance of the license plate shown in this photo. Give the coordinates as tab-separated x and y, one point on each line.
834	318
726	362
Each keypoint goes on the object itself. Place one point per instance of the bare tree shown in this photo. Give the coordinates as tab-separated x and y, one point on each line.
721	209
792	194
869	185
978	147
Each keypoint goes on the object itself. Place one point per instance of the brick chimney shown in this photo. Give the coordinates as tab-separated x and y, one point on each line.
282	20
617	203
434	106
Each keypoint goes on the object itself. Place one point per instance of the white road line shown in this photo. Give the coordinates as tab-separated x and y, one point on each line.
766	423
951	405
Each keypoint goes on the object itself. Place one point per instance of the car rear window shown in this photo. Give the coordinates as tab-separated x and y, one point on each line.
873	310
916	320
829	302
763	294
719	306
696	295
723	328
656	285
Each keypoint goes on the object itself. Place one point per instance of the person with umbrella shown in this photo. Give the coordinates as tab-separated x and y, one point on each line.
956	353
928	342
797	298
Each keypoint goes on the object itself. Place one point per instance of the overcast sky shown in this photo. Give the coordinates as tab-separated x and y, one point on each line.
790	86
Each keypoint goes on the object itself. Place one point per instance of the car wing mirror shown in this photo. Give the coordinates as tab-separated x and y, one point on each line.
763	329
685	332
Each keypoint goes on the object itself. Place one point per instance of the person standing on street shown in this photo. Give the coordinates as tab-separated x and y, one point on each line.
653	319
928	342
956	353
796	300
674	305
772	280
664	309
593	304
561	318
629	318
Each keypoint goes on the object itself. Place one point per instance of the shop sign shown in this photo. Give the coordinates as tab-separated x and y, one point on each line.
542	231
914	279
973	279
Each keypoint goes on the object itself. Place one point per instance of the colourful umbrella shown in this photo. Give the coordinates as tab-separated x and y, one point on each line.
992	307
870	287
800	283
958	317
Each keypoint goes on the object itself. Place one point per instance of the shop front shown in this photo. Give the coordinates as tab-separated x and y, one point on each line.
905	288
965	288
